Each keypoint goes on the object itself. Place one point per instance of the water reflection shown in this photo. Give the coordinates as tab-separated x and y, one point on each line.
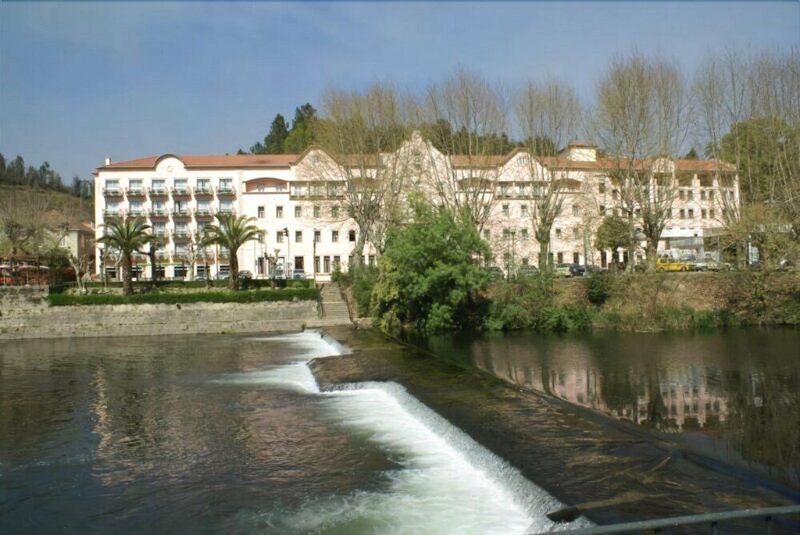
740	388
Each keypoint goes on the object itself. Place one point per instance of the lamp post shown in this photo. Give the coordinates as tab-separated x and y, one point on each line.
288	253
314	256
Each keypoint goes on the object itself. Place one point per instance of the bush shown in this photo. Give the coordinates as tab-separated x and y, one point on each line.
598	288
302	294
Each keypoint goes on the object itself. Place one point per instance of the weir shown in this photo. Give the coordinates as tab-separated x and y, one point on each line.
446	483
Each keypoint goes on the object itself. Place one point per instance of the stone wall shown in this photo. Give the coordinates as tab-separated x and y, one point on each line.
24	313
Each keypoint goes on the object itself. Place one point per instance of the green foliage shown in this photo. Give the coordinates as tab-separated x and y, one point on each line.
430	276
613	233
528	304
598	288
232	232
361	280
289	294
273	142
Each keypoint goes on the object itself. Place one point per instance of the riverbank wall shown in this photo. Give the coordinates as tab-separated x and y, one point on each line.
25	313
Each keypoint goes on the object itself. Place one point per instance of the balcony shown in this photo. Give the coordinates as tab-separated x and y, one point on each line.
225	190
158	191
113	212
136	191
226	210
182	234
137	212
181	191
159	213
181	213
160	232
204	213
112	192
203	190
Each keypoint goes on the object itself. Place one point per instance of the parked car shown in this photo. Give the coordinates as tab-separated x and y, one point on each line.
577	270
245	275
495	273
563	270
666	263
709	264
527	271
298	274
223	276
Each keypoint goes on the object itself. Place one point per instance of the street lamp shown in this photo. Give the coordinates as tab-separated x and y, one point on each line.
288	253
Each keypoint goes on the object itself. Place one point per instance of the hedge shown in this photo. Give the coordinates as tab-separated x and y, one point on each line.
257	296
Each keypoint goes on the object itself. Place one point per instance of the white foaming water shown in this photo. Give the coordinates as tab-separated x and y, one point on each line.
448	483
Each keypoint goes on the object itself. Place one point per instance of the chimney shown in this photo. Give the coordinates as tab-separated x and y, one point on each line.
108	160
581	152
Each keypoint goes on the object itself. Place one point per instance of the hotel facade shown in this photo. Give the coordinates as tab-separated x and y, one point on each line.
300	205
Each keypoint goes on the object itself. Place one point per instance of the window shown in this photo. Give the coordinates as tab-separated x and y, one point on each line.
298	236
372	260
506	234
337	263
203	185
683	213
334	236
317	236
352	235
525	261
505	210
316	211
691	213
703	213
316	264
260	212
486	234
279	212
225	185
558	234
523	210
669	213
601	187
180	185
279	236
575	233
681	195
711	195
690	194
615	195
702	194
711	213
523	233
326	264
576	210
602	209
560	258
334	211
576	258
298	211
135	186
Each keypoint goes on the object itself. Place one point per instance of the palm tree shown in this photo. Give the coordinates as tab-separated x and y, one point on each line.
231	233
126	236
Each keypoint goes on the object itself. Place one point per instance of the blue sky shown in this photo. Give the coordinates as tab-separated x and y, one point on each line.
81	81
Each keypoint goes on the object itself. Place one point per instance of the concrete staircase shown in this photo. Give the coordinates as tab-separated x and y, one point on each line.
333	309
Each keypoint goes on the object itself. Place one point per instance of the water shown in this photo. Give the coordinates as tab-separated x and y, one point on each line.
732	395
232	435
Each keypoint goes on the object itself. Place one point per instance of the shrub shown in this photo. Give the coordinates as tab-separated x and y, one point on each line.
598	288
256	296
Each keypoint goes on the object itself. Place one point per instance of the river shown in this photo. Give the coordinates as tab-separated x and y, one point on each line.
225	434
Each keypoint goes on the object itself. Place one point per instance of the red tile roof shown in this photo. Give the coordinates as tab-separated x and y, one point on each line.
227	161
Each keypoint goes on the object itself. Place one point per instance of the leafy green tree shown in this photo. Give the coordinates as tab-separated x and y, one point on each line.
232	232
274	142
430	273
126	236
301	136
614	233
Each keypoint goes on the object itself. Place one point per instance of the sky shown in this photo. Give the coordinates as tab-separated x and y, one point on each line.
83	81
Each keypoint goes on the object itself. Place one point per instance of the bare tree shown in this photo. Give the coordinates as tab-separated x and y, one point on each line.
642	118
464	120
356	132
548	115
25	218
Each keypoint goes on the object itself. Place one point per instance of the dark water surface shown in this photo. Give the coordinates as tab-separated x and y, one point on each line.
734	395
230	434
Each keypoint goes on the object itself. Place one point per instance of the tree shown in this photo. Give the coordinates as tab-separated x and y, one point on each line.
548	115
273	142
301	136
465	118
614	233
430	273
642	118
358	129
126	236
232	232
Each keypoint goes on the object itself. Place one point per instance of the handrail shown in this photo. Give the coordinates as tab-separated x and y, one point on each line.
710	518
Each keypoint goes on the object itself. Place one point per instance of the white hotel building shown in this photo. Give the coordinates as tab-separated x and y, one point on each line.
301	213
